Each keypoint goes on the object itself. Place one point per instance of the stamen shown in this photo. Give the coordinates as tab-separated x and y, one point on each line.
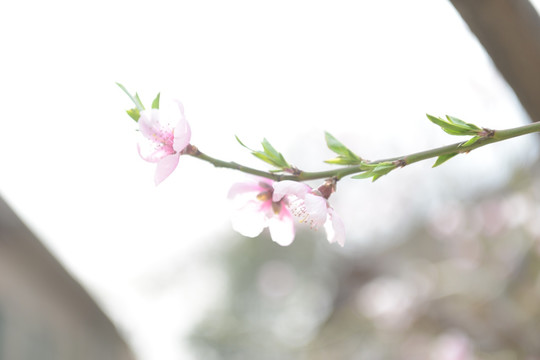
298	209
264	196
276	207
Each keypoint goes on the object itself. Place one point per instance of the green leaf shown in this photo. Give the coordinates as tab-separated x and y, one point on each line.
448	127
369	174
346	156
471	141
457	121
264	157
385	167
155	103
376	170
343	161
135	98
363	175
336	146
455	126
377	166
443	158
241	143
134	114
270	155
269	149
276	156
139	100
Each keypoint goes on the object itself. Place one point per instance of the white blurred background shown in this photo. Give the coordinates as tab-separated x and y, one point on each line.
366	71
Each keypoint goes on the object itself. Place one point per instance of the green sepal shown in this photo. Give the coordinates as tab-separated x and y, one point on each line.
345	155
444	158
155	103
134	114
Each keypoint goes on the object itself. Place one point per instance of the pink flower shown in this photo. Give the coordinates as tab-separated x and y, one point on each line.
311	207
255	210
164	142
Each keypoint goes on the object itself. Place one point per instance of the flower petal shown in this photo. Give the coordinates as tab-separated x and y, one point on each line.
282	228
149	123
289	187
249	220
335	229
317	209
244	187
182	131
165	167
153	154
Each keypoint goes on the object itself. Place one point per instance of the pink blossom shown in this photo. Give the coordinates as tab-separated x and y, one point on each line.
255	210
164	142
312	208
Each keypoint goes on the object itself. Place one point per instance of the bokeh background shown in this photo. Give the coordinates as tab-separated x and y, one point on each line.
439	263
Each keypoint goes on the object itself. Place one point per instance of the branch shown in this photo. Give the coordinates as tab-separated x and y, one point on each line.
369	168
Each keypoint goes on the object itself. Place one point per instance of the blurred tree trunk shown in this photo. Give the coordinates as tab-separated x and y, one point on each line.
509	30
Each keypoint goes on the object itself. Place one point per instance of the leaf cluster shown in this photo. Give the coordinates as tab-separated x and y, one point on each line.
455	126
135	113
269	155
376	170
345	155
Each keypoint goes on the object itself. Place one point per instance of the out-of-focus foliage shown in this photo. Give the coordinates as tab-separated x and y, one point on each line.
464	284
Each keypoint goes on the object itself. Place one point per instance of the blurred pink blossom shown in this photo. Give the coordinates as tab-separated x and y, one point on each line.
311	207
165	139
255	210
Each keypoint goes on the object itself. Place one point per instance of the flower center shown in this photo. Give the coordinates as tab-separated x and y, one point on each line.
163	136
266	195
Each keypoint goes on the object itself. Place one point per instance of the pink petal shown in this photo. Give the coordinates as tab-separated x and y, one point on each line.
251	185
335	229
248	220
289	187
282	229
242	188
180	106
182	133
149	123
165	167
156	154
317	208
